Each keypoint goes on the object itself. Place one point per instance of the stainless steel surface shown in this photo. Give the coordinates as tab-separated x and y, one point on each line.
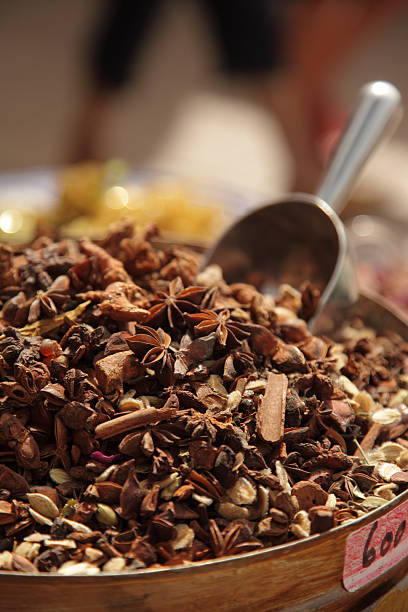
301	237
377	115
379	314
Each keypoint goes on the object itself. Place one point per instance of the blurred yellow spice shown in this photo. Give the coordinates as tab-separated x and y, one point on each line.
95	195
81	186
16	225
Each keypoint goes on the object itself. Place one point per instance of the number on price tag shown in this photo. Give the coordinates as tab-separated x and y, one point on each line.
375	548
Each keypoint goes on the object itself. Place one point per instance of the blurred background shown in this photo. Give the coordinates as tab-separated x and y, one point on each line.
177	110
254	102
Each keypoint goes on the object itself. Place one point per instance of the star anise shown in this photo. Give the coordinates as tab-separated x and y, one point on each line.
151	347
169	306
236	537
229	333
32	377
61	452
47	303
198	425
217	542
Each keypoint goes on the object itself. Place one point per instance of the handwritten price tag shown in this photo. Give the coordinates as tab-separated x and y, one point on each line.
373	549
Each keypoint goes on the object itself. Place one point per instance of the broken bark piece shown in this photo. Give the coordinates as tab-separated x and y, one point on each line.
398	430
289	358
402	441
7	513
74	415
321	519
309	494
112	270
109	492
400	478
112	371
54	393
139	418
270	418
341	411
13	482
131	496
314	348
122	302
262	340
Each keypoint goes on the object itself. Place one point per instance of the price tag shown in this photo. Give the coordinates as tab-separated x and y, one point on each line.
375	548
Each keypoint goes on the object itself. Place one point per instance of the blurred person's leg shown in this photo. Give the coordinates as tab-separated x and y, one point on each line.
289	49
319	35
249	35
112	54
249	46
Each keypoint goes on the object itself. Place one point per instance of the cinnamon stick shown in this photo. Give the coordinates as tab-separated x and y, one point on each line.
369	439
140	418
270	419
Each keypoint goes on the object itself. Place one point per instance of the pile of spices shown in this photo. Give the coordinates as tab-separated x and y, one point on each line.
152	415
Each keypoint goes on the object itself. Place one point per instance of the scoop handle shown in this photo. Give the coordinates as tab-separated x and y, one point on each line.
376	116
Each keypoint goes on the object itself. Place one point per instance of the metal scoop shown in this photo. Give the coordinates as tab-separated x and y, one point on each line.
301	237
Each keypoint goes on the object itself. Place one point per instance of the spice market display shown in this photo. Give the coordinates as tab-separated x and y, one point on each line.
152	415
